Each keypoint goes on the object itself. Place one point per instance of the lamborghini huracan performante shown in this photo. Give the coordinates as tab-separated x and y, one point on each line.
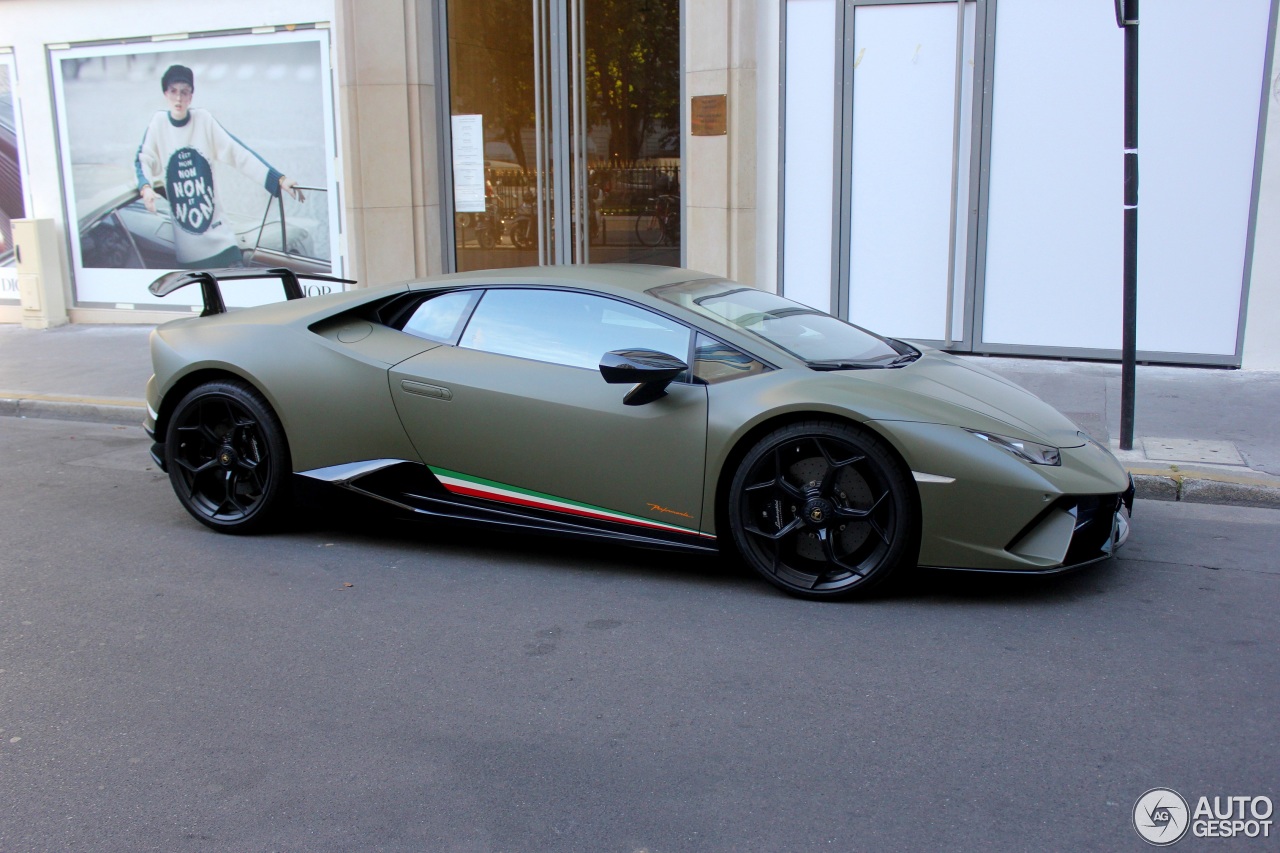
641	405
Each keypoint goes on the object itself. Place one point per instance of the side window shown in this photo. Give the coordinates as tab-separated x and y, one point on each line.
716	362
563	327
440	318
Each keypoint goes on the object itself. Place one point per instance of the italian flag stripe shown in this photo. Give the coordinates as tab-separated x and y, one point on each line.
478	487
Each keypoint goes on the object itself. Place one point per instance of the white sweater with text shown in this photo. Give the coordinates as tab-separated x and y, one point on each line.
182	155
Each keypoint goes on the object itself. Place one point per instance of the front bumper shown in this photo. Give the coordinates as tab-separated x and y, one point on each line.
150	425
984	509
1076	532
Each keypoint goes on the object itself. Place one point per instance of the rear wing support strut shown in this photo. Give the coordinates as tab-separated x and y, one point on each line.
212	293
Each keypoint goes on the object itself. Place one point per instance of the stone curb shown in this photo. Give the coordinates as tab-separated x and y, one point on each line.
1233	494
105	411
1205	490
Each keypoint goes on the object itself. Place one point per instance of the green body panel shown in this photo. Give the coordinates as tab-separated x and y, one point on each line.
955	391
937	389
371	342
332	398
558	430
336	381
967	523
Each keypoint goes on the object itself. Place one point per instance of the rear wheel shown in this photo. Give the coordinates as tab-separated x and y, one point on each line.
823	510
649	229
227	457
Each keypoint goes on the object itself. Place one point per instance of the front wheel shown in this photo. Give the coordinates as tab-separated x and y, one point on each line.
227	457
823	510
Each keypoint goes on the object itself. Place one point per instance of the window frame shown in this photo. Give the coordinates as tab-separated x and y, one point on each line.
402	308
689	350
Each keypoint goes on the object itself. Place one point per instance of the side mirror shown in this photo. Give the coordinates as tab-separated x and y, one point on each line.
651	372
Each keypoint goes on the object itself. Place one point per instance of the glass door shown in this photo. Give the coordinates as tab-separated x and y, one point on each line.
495	140
563	111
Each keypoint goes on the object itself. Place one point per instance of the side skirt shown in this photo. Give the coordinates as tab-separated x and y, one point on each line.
413	487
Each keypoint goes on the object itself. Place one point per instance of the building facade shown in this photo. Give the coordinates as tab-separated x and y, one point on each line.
945	171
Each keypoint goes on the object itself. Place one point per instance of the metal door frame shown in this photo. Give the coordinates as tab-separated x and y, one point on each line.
842	203
978	166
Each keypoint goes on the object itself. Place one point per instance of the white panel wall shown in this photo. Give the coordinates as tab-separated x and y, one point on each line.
1054	239
1262	337
1054	251
1202	70
809	151
903	113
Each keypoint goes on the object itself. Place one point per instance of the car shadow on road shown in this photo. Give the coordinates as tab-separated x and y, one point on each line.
941	586
374	523
369	521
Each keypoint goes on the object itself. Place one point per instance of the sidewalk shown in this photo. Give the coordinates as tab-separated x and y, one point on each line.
1201	435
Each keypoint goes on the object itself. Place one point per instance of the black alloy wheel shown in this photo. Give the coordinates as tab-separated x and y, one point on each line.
824	510
227	457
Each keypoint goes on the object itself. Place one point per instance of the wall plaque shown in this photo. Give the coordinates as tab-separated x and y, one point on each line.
709	115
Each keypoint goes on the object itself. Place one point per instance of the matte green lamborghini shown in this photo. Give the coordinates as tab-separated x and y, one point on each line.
640	405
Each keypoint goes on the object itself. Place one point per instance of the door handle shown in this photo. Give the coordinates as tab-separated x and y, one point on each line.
422	389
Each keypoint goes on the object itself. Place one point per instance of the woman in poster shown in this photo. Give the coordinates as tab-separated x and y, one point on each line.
179	147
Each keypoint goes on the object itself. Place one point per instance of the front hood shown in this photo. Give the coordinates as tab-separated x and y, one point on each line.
946	379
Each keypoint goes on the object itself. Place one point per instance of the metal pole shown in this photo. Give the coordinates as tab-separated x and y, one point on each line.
1127	17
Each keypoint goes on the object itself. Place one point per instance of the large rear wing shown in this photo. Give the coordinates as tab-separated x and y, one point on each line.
208	281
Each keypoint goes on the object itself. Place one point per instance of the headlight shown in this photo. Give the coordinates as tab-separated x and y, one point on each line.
1028	451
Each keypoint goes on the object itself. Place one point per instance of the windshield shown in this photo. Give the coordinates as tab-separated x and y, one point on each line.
806	333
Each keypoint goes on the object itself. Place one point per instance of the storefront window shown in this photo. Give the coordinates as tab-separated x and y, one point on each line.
567	112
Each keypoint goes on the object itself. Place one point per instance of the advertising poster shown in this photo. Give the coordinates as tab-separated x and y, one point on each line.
12	205
197	154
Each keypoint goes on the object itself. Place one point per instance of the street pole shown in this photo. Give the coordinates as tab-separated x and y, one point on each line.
1127	19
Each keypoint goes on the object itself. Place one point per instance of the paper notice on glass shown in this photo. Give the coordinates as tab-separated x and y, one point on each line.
468	164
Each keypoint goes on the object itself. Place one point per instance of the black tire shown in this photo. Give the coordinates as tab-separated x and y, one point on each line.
824	510
227	457
649	229
522	234
671	229
486	235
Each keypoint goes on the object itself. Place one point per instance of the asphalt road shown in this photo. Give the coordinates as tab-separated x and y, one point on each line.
350	685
